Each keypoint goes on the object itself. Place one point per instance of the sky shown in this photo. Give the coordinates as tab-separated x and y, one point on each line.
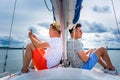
97	18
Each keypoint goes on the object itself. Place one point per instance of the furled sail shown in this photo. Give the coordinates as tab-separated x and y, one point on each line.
67	11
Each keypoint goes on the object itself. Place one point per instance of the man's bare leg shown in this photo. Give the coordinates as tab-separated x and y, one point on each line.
27	57
102	63
101	52
31	65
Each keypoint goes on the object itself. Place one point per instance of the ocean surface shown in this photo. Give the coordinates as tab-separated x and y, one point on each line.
15	60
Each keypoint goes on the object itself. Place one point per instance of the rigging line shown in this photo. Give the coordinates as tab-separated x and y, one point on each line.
74	29
47	6
116	18
11	26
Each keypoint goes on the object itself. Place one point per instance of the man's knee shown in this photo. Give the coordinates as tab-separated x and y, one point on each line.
30	45
102	49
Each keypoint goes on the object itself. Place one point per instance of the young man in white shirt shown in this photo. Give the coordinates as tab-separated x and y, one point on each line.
35	50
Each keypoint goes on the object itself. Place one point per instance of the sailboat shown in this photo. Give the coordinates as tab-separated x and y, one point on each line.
67	13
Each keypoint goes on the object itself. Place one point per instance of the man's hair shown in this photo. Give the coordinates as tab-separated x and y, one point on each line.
74	27
56	26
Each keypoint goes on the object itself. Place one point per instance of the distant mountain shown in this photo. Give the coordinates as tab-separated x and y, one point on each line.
113	49
84	48
10	48
107	48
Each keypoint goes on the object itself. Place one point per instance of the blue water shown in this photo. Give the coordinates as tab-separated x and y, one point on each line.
15	60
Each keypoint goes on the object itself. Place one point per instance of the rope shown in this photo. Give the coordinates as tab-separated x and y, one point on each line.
47	6
4	69
74	29
116	18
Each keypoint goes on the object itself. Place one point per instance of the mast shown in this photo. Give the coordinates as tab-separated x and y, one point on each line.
66	12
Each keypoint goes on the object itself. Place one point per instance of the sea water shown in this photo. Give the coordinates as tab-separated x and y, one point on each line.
15	60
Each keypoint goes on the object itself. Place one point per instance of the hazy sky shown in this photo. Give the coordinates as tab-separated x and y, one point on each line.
97	19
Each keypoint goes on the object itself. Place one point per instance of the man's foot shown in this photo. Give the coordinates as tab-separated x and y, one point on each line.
105	70
22	72
113	72
25	70
31	69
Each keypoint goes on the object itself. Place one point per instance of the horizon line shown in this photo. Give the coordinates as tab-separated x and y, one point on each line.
25	48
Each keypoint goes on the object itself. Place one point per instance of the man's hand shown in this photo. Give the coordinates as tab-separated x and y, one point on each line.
30	34
90	50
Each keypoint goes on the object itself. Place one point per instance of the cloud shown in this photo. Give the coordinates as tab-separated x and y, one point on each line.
107	37
34	30
33	14
33	4
13	42
100	39
41	30
103	9
114	30
45	24
93	27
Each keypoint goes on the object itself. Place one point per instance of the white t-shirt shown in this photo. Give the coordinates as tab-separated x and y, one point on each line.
54	53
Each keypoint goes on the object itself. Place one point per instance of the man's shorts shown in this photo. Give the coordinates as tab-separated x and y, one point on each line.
93	59
38	59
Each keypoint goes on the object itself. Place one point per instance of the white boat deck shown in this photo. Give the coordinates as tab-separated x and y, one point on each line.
64	74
